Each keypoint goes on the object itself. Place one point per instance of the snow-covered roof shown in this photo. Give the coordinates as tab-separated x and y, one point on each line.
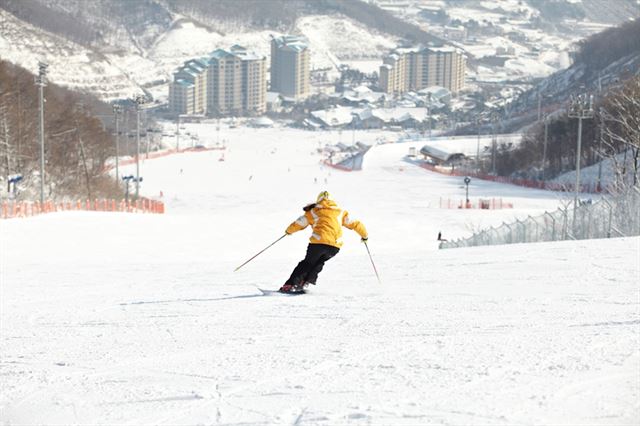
436	92
291	42
362	89
468	145
262	122
236	51
220	54
183	82
245	54
437	153
363	95
337	116
393	115
400	114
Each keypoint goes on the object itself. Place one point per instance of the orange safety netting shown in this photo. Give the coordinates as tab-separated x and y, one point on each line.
13	209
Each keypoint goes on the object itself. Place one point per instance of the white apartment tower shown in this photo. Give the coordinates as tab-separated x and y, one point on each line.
393	74
411	69
188	91
290	66
236	82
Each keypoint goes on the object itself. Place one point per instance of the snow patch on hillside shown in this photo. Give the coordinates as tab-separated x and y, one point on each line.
608	171
70	64
330	33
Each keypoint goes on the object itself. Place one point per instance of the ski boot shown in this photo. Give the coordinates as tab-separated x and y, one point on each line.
290	288
287	288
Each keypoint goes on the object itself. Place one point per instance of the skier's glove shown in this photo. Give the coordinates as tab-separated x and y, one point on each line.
364	239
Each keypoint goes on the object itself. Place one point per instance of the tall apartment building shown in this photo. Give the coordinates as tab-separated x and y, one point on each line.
223	83
188	91
410	69
236	82
393	73
290	66
254	80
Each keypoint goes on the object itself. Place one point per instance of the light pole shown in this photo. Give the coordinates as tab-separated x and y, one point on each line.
478	148
580	107
494	143
467	181
41	81
599	184
539	105
429	114
139	102
544	147
116	112
178	135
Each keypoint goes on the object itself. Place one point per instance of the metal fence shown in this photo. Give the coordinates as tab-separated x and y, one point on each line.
612	216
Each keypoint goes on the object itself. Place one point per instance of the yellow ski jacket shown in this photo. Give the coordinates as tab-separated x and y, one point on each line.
326	220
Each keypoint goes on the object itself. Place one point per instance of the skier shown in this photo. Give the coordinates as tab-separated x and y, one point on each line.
326	220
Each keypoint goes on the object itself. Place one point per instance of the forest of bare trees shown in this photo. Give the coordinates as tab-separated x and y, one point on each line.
614	130
600	50
76	144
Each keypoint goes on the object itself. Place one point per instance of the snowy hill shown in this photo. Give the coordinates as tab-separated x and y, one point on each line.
122	69
115	49
71	64
123	318
514	40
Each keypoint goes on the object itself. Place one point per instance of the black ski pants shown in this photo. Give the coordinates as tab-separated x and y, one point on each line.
309	267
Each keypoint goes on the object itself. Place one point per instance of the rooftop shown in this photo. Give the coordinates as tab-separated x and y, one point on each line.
291	42
236	51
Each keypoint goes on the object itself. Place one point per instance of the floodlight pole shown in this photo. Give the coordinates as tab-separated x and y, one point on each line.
544	148
599	186
539	105
41	81
580	107
139	102
429	114
116	113
478	148
494	143
178	135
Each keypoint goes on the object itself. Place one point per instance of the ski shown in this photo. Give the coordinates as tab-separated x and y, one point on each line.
281	293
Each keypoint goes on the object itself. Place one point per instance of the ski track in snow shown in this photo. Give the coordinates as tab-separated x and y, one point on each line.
139	319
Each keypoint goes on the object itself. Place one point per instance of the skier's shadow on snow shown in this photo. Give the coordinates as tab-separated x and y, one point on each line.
151	302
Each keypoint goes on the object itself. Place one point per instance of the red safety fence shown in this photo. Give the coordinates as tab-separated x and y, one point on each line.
13	209
528	183
482	203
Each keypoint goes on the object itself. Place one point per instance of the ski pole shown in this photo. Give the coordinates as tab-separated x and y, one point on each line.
259	253
372	264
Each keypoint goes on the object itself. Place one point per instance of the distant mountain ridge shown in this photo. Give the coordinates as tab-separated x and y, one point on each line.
120	48
602	61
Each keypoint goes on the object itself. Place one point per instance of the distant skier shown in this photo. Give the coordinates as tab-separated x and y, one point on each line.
326	220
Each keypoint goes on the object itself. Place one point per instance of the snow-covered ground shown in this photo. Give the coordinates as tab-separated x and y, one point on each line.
605	172
139	319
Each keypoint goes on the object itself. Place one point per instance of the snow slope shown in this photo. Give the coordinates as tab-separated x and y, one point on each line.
607	171
138	319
